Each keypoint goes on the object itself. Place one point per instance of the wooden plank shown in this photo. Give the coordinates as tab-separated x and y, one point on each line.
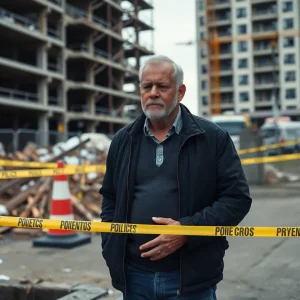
80	208
22	196
44	188
21	181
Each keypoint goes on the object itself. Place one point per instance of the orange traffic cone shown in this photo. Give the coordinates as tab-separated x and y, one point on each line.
61	209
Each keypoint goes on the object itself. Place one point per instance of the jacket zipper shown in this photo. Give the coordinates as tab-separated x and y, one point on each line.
179	202
127	215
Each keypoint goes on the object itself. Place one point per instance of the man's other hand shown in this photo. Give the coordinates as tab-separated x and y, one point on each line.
164	244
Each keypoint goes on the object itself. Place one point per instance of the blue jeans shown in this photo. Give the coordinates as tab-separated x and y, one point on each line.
143	285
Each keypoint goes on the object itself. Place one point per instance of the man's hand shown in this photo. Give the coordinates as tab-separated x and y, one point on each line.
164	244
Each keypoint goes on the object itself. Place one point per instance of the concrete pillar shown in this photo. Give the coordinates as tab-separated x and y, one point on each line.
90	75
43	128
43	91
42	21
91	104
90	43
42	57
90	11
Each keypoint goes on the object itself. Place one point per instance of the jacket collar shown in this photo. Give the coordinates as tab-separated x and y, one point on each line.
190	126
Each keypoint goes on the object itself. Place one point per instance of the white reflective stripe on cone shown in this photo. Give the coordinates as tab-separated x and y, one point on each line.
62	217
60	190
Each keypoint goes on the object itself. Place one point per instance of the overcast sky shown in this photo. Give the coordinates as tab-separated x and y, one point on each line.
175	22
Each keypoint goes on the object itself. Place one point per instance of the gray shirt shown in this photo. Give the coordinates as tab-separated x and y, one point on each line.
176	128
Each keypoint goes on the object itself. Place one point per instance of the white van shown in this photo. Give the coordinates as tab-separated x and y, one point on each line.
284	131
233	124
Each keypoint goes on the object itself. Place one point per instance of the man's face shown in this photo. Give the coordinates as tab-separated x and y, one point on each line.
159	95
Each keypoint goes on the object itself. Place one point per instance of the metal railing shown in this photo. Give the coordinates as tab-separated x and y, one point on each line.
220	18
265	64
224	33
54	100
260	12
79	108
53	33
18	94
78	47
257	29
101	53
54	67
11	17
102	111
262	82
106	111
262	48
101	22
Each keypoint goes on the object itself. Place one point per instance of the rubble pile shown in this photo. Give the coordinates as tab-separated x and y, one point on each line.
31	197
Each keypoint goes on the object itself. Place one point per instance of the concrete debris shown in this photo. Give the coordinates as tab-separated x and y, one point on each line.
3	210
66	270
275	176
32	197
97	141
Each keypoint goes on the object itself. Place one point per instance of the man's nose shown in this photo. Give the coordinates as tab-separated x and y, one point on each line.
154	92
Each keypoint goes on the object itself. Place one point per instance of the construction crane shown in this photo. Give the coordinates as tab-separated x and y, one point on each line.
213	45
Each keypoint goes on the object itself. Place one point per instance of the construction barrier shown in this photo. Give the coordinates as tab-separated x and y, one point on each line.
262	160
97	226
71	170
68	170
267	147
26	164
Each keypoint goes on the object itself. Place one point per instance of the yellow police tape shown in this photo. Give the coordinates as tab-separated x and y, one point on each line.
71	170
97	226
273	146
262	160
68	170
27	164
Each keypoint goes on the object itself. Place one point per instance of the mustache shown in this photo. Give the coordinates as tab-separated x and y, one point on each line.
157	101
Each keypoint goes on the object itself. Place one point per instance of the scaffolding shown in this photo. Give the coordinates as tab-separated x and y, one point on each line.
79	55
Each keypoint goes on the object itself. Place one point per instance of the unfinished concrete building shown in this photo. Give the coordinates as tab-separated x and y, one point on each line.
64	64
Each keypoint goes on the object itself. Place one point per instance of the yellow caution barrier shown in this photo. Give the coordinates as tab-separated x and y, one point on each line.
267	147
68	170
71	170
96	226
269	159
27	164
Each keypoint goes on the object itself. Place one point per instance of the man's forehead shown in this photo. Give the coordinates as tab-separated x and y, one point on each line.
164	66
158	71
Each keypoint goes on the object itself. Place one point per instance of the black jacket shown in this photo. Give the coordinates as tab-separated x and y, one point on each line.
212	191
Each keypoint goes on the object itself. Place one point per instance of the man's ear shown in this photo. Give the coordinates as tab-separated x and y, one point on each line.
181	92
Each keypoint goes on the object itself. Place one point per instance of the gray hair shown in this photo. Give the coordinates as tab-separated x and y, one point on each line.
178	72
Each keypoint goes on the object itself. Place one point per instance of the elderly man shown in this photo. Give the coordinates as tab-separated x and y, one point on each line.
170	167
